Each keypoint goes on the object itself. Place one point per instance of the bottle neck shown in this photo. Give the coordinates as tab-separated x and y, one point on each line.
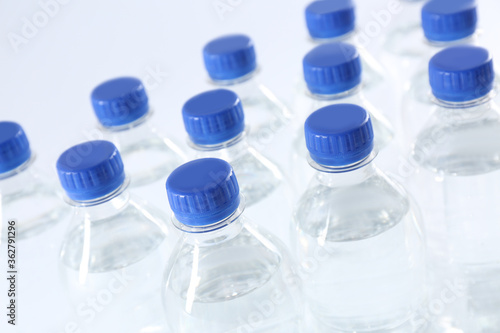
215	233
348	175
228	150
105	206
465	111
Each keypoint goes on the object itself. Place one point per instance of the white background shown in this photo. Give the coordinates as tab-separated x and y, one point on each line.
47	79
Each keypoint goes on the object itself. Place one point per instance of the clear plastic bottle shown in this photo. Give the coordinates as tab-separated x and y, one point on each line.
335	21
444	23
231	63
215	122
21	187
122	108
115	249
37	209
457	184
332	73
359	243
225	275
435	25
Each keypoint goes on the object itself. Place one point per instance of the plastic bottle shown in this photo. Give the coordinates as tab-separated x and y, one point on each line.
122	108
335	21
215	122
333	75
457	183
115	249
24	195
444	23
31	210
225	275
231	63
358	240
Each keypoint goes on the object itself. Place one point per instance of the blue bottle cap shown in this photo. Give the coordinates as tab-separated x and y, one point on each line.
330	18
203	192
119	101
461	73
339	134
14	146
90	170
229	57
332	68
449	20
213	117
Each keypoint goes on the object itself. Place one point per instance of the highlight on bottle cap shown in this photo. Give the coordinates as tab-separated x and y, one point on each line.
330	18
203	192
119	101
449	20
90	170
332	68
14	146
229	57
339	135
461	73
213	117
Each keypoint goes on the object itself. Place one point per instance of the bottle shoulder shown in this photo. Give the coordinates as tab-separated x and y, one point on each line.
460	141
33	201
115	239
228	269
355	212
258	176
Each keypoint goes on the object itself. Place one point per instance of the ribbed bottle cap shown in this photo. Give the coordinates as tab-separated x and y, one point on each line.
461	73
332	68
90	170
202	192
213	117
330	18
229	57
14	146
119	101
449	20
339	134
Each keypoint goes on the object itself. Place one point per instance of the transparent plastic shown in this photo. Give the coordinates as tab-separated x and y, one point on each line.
28	198
112	260
361	250
417	97
265	114
407	51
267	192
147	155
231	277
37	208
458	183
406	31
307	103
